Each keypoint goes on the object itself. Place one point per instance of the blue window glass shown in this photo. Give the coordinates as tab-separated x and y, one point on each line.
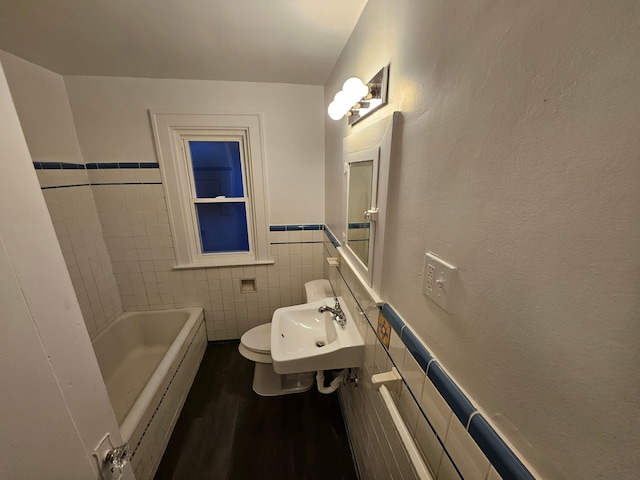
223	227
216	169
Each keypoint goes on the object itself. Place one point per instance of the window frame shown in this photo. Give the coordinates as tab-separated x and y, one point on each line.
172	132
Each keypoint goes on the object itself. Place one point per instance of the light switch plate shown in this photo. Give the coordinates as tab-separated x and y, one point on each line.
438	280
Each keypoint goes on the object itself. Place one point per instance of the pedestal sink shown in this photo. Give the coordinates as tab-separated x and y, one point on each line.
305	340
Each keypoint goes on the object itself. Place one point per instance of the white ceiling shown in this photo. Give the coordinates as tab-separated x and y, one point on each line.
287	41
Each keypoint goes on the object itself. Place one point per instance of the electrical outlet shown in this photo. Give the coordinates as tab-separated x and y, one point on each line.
438	280
430	274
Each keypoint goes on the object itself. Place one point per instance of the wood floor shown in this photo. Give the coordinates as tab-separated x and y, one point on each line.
228	432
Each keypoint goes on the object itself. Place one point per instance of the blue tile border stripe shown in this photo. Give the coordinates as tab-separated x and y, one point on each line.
92	166
296	228
297	243
503	459
417	349
459	403
392	317
332	237
98	184
359	225
499	454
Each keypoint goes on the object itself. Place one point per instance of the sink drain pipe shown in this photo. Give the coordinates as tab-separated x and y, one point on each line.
333	386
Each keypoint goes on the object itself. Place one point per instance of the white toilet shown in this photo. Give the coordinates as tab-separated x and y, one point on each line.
255	345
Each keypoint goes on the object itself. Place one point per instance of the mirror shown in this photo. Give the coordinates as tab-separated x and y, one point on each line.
362	180
358	226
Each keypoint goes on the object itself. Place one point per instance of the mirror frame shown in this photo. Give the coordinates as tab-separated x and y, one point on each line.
378	135
372	155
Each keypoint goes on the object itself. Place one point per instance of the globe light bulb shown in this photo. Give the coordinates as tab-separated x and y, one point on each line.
335	111
342	100
355	89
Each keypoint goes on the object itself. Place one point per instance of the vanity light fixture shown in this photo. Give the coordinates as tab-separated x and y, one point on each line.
345	100
357	99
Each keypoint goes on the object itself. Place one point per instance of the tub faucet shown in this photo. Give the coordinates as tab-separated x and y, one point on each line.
336	312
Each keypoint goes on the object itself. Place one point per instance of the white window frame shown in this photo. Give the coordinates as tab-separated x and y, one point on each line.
172	133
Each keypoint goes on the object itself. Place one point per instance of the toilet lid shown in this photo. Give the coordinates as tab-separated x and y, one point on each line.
258	338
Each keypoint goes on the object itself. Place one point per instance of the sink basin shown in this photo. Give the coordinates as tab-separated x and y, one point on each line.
305	340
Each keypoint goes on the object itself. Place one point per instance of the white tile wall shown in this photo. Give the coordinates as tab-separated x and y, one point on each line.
376	445
117	241
138	236
75	218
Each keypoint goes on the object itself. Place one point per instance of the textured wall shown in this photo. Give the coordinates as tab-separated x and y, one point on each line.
518	163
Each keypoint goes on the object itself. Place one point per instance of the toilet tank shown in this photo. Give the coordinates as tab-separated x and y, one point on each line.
317	290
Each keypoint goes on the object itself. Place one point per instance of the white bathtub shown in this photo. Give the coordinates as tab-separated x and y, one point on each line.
148	361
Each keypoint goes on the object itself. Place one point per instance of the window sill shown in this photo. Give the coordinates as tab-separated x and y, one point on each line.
239	263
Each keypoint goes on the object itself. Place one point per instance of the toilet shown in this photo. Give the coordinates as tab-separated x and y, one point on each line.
255	345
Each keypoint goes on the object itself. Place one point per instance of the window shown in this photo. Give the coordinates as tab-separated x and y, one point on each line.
213	174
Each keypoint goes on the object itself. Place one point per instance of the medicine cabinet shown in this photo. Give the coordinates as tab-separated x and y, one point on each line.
367	161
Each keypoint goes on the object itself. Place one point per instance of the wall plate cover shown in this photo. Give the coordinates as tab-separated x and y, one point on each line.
438	280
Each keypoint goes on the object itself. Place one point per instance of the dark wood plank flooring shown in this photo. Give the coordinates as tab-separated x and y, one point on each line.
228	432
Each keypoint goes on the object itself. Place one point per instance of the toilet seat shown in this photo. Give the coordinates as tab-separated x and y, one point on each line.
255	344
258	339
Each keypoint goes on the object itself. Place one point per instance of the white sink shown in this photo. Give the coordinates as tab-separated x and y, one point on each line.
305	340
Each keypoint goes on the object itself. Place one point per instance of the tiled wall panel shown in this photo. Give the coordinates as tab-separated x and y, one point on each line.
133	210
113	225
377	448
75	217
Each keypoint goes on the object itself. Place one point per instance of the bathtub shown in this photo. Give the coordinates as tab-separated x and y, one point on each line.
148	361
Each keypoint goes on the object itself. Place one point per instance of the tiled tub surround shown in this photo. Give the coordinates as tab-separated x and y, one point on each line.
134	224
71	203
455	439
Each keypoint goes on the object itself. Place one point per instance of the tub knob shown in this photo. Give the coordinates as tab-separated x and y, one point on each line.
119	456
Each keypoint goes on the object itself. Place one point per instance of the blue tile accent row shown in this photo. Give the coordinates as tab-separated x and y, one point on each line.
459	403
57	166
99	184
415	346
417	349
392	317
296	228
296	243
359	225
67	186
499	454
332	237
506	463
92	166
457	400
124	165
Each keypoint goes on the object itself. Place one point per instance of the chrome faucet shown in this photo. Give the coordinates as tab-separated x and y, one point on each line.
336	312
